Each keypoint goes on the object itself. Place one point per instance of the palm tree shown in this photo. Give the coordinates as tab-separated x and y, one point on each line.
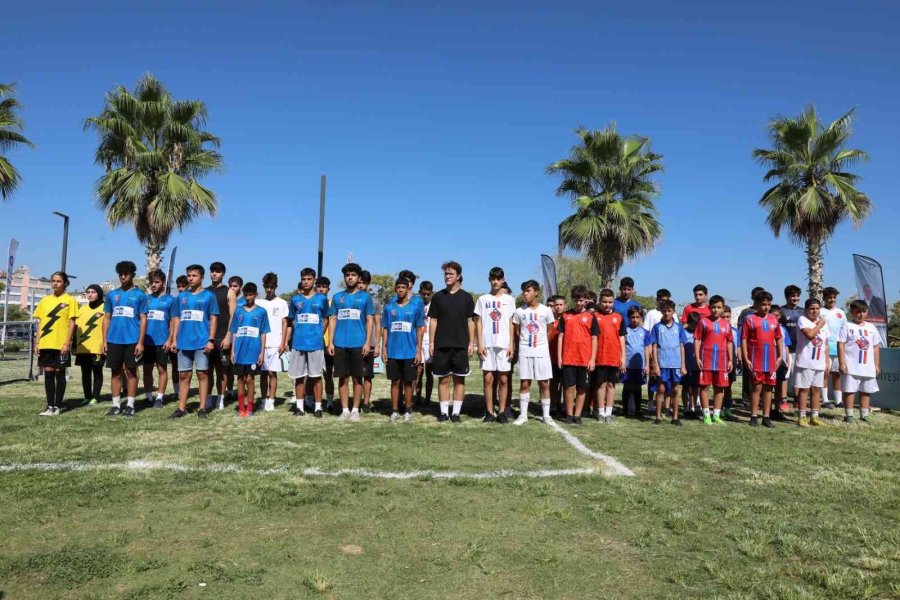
608	178
154	150
815	192
10	126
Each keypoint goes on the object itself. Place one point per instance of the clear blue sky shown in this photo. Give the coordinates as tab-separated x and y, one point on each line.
434	127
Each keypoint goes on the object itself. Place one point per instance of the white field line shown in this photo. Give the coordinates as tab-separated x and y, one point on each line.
614	467
140	465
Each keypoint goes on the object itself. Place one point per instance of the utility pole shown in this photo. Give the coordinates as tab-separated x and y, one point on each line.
321	224
65	244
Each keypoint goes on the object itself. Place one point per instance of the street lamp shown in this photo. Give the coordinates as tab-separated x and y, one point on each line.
65	244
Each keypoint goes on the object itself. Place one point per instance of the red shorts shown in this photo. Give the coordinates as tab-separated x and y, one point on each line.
764	378
717	379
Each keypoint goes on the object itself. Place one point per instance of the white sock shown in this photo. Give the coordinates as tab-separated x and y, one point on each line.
130	401
864	412
717	412
116	401
445	406
706	412
545	408
802	414
318	406
457	407
848	412
815	414
355	410
345	411
299	404
838	397
824	394
523	405
159	396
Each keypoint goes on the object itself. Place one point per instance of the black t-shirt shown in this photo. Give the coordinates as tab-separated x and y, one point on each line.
452	312
221	294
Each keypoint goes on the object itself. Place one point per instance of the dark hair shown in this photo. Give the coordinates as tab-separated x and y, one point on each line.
452	264
626	282
402	281
496	273
791	290
755	291
531	284
859	306
555	297
323	281
307	272
125	266
97	289
181	280
775	308
667	305
717	299
426	285
198	268
663	292
270	280
635	310
506	287
607	293
249	288
237	278
408	275
830	291
217	266
351	268
726	308
591	295
365	277
810	301
64	276
156	274
762	295
700	288
578	291
692	320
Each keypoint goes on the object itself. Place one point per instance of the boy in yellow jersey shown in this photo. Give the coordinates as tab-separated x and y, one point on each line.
56	316
89	344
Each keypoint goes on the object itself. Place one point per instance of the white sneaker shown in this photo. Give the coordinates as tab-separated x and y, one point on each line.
395	416
521	420
56	411
354	416
221	405
48	412
407	417
270	405
344	416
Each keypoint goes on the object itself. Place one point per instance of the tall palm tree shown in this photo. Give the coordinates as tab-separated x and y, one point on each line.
154	150
608	178
815	192
10	126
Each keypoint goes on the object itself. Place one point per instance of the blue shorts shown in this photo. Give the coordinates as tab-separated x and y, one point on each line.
633	377
193	360
668	379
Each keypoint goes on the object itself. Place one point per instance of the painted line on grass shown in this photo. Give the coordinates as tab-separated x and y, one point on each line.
614	466
142	465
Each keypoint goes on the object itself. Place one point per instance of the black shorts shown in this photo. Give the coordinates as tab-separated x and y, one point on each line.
121	355
348	362
450	361
242	370
90	360
329	361
54	359
219	357
402	369
155	355
577	376
369	364
557	373
605	374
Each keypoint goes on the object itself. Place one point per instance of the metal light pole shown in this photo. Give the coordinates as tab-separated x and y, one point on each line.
321	223
65	244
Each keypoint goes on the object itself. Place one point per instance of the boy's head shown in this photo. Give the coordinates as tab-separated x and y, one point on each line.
626	288
351	272
590	300
716	306
307	280
693	320
249	291
700	292
662	294
635	316
126	270
270	284
813	308
216	272
235	284
452	271
726	312
365	279
401	287
667	308
792	295
607	297
426	291
531	290
762	301
775	311
181	283
859	309
497	278
754	292
557	304
157	281
323	286
829	297
195	275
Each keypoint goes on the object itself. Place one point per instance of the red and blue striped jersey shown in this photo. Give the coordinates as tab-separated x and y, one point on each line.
762	335
714	337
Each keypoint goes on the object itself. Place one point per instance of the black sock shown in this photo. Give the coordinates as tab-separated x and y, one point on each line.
50	387
86	387
60	387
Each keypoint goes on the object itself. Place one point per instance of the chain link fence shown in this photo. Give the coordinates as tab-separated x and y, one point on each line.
17	359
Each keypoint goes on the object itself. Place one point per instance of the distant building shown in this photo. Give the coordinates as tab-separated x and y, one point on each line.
22	286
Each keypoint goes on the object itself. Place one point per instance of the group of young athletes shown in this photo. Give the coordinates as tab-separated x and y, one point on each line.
577	352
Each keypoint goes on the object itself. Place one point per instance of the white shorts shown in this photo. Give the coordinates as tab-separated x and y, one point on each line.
495	359
272	361
535	367
850	384
835	365
305	363
807	378
427	358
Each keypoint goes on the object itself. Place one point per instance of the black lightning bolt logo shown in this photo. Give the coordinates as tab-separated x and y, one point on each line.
90	326
52	317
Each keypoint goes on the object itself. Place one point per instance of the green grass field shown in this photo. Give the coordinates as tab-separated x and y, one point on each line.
712	512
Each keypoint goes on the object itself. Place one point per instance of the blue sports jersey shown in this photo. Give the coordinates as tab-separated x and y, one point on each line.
194	310
351	311
668	339
690	361
636	339
241	301
125	309
786	336
622	307
308	316
246	328
401	324
160	310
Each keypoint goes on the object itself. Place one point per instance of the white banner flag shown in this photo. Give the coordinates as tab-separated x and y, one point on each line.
870	287
11	261
548	268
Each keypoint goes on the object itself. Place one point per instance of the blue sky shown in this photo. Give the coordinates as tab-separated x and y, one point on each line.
434	126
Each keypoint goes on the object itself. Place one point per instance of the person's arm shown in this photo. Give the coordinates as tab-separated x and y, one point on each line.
471	323
285	335
622	359
332	320
176	322
479	335
745	354
213	319
170	340
262	349
106	319
378	333
683	362
593	361
877	357
730	349
432	329
842	362
142	331
657	371
513	337
369	322
559	347
420	333
698	349
67	345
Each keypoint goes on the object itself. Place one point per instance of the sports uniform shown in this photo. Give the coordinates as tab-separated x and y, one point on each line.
193	313
703	311
401	324
668	340
277	310
636	340
451	337
217	355
246	328
714	337
307	316
349	336
495	313
809	367
160	310
125	308
54	313
859	340
835	319
762	335
577	328
534	346
609	347
622	306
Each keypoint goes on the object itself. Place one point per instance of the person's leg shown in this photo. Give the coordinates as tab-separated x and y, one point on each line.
50	388
316	392
176	376
767	400
674	403
718	399
97	376
329	379
115	387
836	386
754	399
163	374
357	392
524	400
87	372
147	372
569	400
459	394
131	384
488	377
580	393
815	401
503	390
429	382
60	387
863	405
408	387
184	387
344	392
544	387
301	386
395	396
203	383
610	398
660	400
849	401
249	393
704	399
